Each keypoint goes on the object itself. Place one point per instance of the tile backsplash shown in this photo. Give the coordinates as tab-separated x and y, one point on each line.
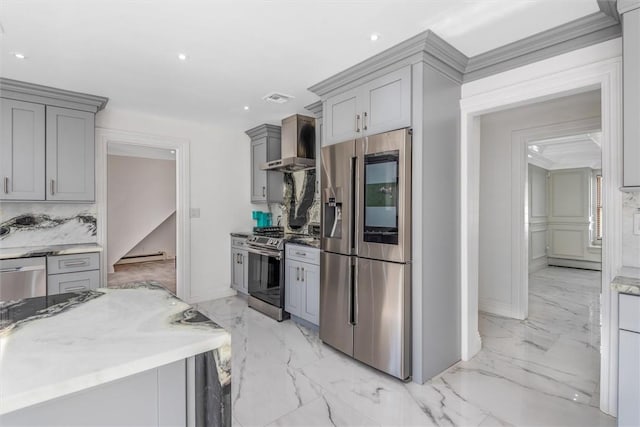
24	224
630	241
300	206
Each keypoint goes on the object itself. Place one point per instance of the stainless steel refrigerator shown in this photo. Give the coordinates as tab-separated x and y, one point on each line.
365	275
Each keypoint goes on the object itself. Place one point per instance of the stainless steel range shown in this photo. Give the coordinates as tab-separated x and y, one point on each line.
266	272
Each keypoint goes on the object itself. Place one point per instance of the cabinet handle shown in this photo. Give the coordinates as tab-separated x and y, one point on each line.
75	263
264	191
297	274
6	185
302	275
364	121
75	288
358	123
241	258
53	187
301	253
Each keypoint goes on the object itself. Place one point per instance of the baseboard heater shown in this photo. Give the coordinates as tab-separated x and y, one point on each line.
131	259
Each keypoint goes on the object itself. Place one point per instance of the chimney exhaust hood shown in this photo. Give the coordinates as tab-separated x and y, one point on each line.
298	145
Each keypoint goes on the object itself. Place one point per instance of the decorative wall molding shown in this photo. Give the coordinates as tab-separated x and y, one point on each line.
609	7
625	6
30	92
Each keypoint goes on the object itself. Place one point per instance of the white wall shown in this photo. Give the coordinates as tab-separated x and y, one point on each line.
162	239
141	195
496	254
220	179
537	218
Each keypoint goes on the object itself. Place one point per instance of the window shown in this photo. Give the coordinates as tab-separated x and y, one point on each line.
598	207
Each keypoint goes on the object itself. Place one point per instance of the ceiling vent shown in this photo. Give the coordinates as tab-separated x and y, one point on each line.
277	98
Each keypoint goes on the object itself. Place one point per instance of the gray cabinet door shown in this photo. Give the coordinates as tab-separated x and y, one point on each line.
631	55
237	270
258	176
70	155
22	151
244	288
73	282
387	102
310	304
629	379
342	120
293	288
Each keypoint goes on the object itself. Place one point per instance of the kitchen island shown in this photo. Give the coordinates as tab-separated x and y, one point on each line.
136	355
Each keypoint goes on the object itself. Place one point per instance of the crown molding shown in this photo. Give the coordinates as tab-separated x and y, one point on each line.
315	108
586	31
609	7
264	130
426	46
31	92
625	6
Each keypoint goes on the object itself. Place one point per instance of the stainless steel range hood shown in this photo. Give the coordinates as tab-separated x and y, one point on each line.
298	145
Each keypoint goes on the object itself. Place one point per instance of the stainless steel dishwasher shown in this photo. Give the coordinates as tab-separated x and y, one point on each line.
23	278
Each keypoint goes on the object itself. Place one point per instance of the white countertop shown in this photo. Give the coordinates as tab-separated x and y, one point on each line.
93	338
31	251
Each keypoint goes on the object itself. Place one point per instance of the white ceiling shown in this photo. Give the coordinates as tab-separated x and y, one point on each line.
239	50
576	151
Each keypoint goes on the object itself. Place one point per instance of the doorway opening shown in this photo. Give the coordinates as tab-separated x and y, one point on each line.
128	142
141	215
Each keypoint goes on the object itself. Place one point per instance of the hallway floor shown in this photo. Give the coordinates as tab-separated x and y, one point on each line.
538	372
163	272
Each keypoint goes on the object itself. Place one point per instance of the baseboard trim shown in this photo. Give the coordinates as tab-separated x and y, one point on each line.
574	263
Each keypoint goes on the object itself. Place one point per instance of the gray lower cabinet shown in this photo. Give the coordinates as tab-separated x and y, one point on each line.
22	150
266	186
628	360
239	265
73	273
631	97
302	283
70	155
380	105
155	397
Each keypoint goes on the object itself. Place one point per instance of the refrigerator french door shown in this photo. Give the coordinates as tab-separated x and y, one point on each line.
365	294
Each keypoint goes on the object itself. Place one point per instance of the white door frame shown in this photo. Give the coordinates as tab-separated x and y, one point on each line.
183	225
520	201
607	76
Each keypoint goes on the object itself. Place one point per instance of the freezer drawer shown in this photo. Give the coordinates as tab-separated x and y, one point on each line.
336	327
382	332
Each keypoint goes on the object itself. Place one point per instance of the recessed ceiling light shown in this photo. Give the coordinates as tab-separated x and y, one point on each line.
182	57
173	151
535	148
374	37
530	156
246	108
19	55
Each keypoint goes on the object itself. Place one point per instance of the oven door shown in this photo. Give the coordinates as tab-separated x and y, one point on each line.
266	276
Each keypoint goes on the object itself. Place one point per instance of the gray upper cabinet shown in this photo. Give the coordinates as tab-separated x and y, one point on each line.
22	150
380	105
631	71
70	155
47	143
266	186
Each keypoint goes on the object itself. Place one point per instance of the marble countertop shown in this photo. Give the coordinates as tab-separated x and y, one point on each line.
626	285
57	345
33	251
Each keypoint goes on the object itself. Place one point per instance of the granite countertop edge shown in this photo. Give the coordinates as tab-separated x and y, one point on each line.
36	251
626	285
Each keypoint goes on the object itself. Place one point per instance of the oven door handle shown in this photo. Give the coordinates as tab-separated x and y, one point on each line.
273	254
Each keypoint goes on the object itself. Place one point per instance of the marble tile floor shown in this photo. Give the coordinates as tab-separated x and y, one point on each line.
538	372
163	272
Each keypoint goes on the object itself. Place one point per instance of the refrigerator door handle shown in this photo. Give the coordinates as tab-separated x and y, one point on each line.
355	293
352	320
